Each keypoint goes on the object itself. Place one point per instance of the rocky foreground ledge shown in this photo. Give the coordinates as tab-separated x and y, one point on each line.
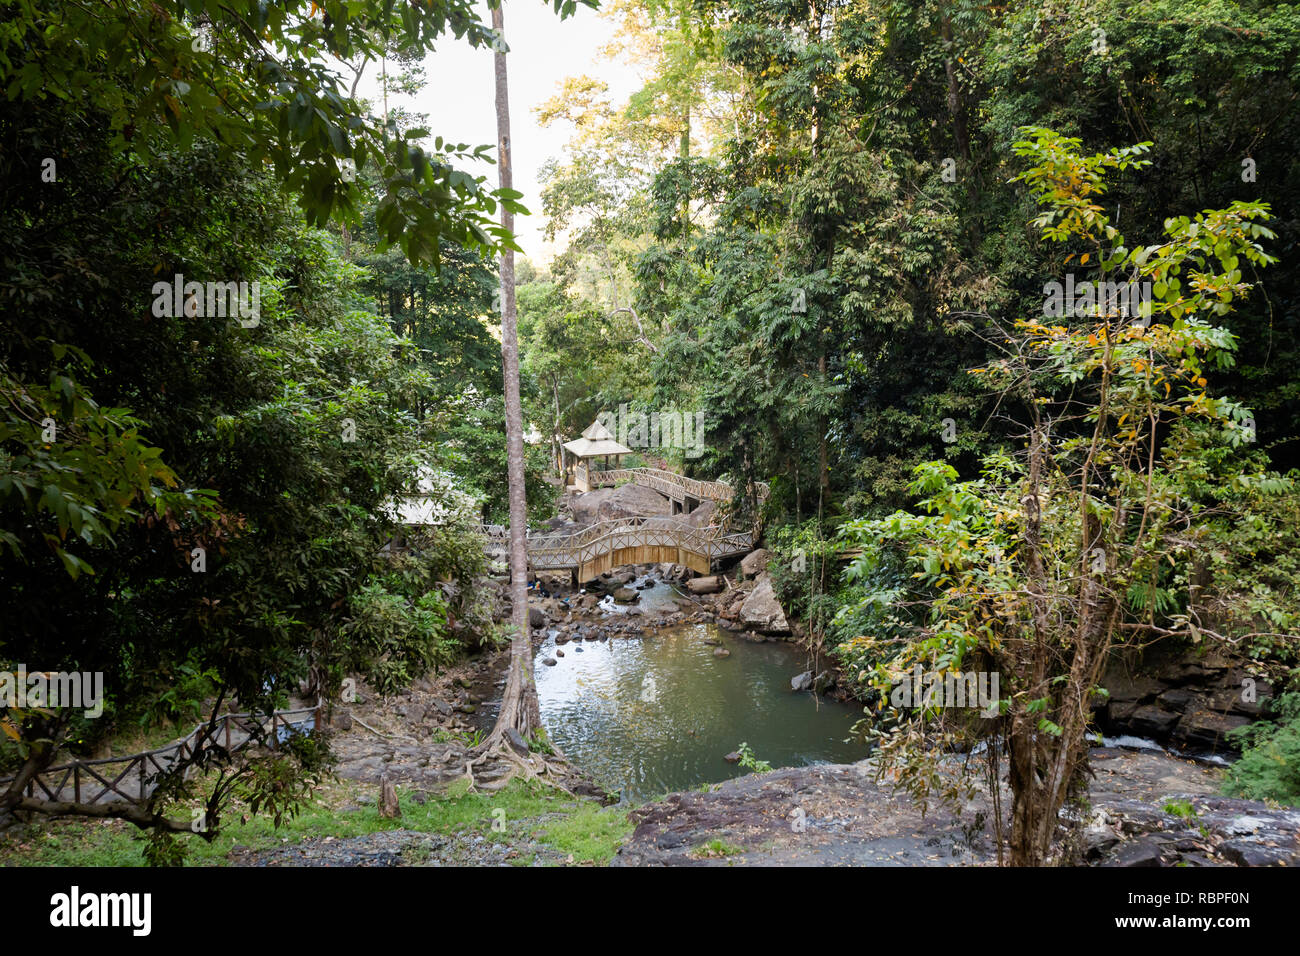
1147	810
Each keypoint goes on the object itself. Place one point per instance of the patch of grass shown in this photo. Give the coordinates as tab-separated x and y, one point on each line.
68	841
716	848
467	739
590	833
1181	808
579	829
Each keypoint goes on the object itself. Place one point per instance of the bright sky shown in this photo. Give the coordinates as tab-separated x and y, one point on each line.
460	98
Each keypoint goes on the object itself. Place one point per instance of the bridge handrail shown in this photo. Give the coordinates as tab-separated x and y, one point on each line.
658	478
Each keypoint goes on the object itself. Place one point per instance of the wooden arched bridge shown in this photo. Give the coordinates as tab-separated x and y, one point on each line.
664	539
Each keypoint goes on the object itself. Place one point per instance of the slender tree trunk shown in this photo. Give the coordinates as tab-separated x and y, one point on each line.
555	427
956	104
519	708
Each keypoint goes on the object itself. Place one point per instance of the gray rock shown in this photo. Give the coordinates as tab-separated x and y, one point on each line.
1150	721
802	681
755	563
627	501
762	611
1125	689
1208	731
1248	853
550	661
1143	852
1176	699
516	741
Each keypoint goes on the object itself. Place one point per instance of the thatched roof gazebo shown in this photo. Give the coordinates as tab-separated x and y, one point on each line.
596	444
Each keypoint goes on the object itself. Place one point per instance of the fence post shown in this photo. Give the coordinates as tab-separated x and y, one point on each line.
76	782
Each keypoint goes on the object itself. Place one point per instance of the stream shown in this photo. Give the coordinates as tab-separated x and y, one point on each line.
657	713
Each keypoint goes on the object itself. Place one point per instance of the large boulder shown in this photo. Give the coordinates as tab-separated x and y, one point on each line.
1149	721
1208	731
701	516
626	501
762	611
755	563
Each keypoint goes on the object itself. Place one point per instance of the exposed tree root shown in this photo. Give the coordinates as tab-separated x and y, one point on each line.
379	733
554	771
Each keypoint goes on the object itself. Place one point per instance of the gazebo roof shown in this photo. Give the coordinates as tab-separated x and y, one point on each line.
596	442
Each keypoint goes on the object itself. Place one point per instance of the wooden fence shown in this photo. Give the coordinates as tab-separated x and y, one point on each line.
92	781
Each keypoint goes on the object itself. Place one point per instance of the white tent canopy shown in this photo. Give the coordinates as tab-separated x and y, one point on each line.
596	442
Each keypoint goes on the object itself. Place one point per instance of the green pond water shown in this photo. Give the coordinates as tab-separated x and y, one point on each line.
653	714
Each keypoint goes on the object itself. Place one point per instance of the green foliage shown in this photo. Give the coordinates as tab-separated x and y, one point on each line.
183	698
260	80
161	848
78	469
749	761
1269	768
804	572
279	783
394	637
540	743
272	448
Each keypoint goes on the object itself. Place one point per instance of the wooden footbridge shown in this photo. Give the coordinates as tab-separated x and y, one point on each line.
664	539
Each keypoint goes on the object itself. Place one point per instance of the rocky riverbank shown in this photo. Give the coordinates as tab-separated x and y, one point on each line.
1147	810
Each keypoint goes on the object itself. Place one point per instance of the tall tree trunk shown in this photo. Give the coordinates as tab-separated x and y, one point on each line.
555	428
956	103
519	708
